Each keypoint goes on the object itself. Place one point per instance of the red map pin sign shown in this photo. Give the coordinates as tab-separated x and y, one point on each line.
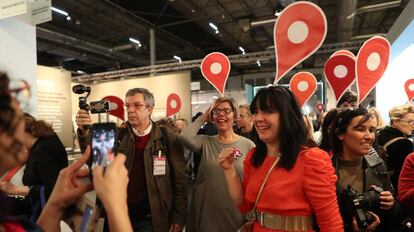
320	107
117	105
297	35
303	85
343	52
215	67
409	89
173	104
372	60
339	72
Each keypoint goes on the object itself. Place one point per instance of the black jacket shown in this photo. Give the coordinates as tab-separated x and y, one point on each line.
46	158
397	151
375	174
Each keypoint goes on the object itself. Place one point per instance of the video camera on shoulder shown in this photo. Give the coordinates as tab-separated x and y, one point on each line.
360	204
95	107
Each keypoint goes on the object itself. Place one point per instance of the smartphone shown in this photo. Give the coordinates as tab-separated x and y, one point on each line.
103	138
86	217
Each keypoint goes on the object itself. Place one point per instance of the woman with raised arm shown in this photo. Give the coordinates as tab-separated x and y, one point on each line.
211	209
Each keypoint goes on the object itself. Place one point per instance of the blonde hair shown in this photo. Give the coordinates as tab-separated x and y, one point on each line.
247	107
375	113
398	112
309	126
233	104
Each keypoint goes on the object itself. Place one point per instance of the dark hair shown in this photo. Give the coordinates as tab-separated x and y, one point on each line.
340	125
292	129
327	121
37	128
349	96
6	111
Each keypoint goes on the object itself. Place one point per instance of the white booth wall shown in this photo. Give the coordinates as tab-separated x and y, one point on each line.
161	86
18	54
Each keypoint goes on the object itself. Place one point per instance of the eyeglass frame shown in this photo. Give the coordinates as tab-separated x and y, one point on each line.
226	111
410	122
137	105
16	91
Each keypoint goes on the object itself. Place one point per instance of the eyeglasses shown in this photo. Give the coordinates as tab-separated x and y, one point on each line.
409	122
20	90
136	105
226	111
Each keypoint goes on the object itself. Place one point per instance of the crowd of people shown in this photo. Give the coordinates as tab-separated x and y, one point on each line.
262	166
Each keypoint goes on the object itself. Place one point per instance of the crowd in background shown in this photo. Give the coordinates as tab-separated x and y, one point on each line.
265	164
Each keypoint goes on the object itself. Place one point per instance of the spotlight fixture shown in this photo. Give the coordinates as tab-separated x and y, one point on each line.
214	27
59	11
258	63
242	50
177	58
135	41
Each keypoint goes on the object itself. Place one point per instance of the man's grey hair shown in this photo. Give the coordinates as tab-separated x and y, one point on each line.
148	96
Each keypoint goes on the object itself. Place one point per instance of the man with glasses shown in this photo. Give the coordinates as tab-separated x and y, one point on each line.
394	139
157	190
244	123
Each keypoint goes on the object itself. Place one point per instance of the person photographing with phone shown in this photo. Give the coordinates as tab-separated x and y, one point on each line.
157	189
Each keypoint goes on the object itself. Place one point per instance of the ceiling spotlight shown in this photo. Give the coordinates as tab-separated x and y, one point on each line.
212	25
258	63
242	50
177	58
135	41
80	72
277	13
59	11
193	10
68	18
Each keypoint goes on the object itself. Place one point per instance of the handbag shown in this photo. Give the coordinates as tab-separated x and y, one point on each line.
251	216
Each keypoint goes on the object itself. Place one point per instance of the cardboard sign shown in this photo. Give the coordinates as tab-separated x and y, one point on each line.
297	35
303	85
371	62
339	72
173	104
409	89
119	110
215	67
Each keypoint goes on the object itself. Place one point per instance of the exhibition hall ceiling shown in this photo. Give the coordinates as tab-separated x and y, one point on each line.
95	35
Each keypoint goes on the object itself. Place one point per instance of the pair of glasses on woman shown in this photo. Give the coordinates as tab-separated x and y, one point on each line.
409	122
20	90
226	111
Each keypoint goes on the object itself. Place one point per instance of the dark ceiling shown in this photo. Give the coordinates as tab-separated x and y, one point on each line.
96	38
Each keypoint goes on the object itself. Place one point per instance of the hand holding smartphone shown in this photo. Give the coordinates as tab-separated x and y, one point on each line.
103	138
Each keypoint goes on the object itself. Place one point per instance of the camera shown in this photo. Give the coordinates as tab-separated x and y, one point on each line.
83	100
96	107
360	204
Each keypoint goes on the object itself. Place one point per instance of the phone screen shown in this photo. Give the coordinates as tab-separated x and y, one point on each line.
103	143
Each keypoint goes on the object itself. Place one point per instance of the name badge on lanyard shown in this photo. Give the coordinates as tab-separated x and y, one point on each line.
159	164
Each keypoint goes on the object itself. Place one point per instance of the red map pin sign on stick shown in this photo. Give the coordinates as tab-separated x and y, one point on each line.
299	31
173	104
303	85
339	72
215	67
320	107
343	52
117	106
409	89
372	60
